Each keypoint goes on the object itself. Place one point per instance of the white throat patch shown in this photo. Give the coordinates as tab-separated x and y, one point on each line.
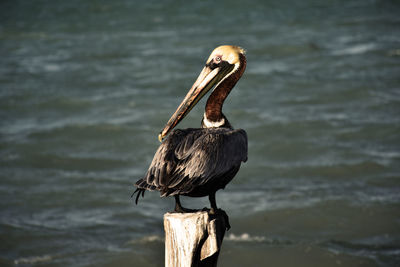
212	124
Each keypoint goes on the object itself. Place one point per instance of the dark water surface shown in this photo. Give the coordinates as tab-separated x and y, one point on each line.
86	86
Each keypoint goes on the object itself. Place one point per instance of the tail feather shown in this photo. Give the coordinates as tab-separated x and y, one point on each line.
142	186
139	191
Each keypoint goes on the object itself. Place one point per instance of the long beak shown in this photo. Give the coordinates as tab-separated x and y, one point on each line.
206	80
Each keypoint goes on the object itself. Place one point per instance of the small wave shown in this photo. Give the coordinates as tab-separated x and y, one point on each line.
33	260
354	50
268	68
245	237
378	247
146	239
383	154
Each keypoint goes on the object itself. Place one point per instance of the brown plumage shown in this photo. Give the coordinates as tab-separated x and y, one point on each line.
198	162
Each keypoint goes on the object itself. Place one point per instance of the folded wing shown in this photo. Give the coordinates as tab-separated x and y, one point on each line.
192	158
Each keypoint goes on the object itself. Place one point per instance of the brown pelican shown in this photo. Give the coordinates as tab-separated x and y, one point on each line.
198	162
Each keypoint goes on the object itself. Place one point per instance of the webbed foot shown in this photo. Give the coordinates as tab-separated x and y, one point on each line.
223	213
179	208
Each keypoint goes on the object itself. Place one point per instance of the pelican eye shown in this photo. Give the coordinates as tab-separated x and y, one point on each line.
215	62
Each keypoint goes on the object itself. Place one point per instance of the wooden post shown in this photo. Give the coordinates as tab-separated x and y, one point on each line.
193	239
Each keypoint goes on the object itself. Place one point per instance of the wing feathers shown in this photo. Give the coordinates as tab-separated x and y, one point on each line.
192	157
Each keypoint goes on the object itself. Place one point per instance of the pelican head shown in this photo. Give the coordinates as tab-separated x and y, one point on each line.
222	63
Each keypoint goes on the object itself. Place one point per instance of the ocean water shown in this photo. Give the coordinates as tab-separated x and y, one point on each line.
86	86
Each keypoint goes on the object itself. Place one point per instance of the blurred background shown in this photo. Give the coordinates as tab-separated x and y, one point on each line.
86	86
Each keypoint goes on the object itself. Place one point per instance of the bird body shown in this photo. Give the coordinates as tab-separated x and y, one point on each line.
196	162
193	162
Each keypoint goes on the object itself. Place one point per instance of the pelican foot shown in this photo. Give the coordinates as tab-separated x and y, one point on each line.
223	213
184	210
